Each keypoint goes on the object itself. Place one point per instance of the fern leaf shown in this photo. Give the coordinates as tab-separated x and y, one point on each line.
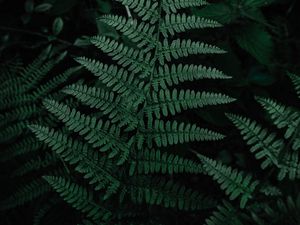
166	102
34	67
115	107
26	193
34	78
167	193
225	214
44	209
296	82
184	48
88	162
282	116
171	132
233	182
24	146
79	197
289	166
101	135
177	23
172	75
145	9
153	161
119	80
263	144
12	131
134	60
19	114
35	164
175	5
55	82
141	33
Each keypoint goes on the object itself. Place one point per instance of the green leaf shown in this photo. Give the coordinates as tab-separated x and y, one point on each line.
43	7
256	3
104	6
220	12
256	41
57	26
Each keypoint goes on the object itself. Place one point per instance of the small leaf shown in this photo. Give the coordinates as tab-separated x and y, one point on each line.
57	26
43	7
82	41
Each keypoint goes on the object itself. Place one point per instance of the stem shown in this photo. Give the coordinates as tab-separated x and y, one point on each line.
128	11
33	33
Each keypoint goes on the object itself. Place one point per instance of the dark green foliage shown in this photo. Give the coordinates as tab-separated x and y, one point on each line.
111	140
276	152
134	105
233	182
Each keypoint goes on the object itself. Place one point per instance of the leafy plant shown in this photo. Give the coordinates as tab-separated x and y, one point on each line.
137	100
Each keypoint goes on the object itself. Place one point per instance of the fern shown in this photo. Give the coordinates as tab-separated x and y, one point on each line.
276	152
226	214
79	198
233	182
75	152
153	161
167	193
26	193
128	126
264	144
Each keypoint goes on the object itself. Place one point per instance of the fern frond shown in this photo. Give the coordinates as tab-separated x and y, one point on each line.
34	78
296	81
270	190
177	23
114	106
19	114
12	131
35	164
26	193
105	136
184	48
263	144
24	146
289	166
282	116
172	6
136	61
141	33
90	163
78	197
34	67
172	75
158	191
235	183
15	101
145	9
44	209
119	80
225	214
167	102
171	132
55	82
153	161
